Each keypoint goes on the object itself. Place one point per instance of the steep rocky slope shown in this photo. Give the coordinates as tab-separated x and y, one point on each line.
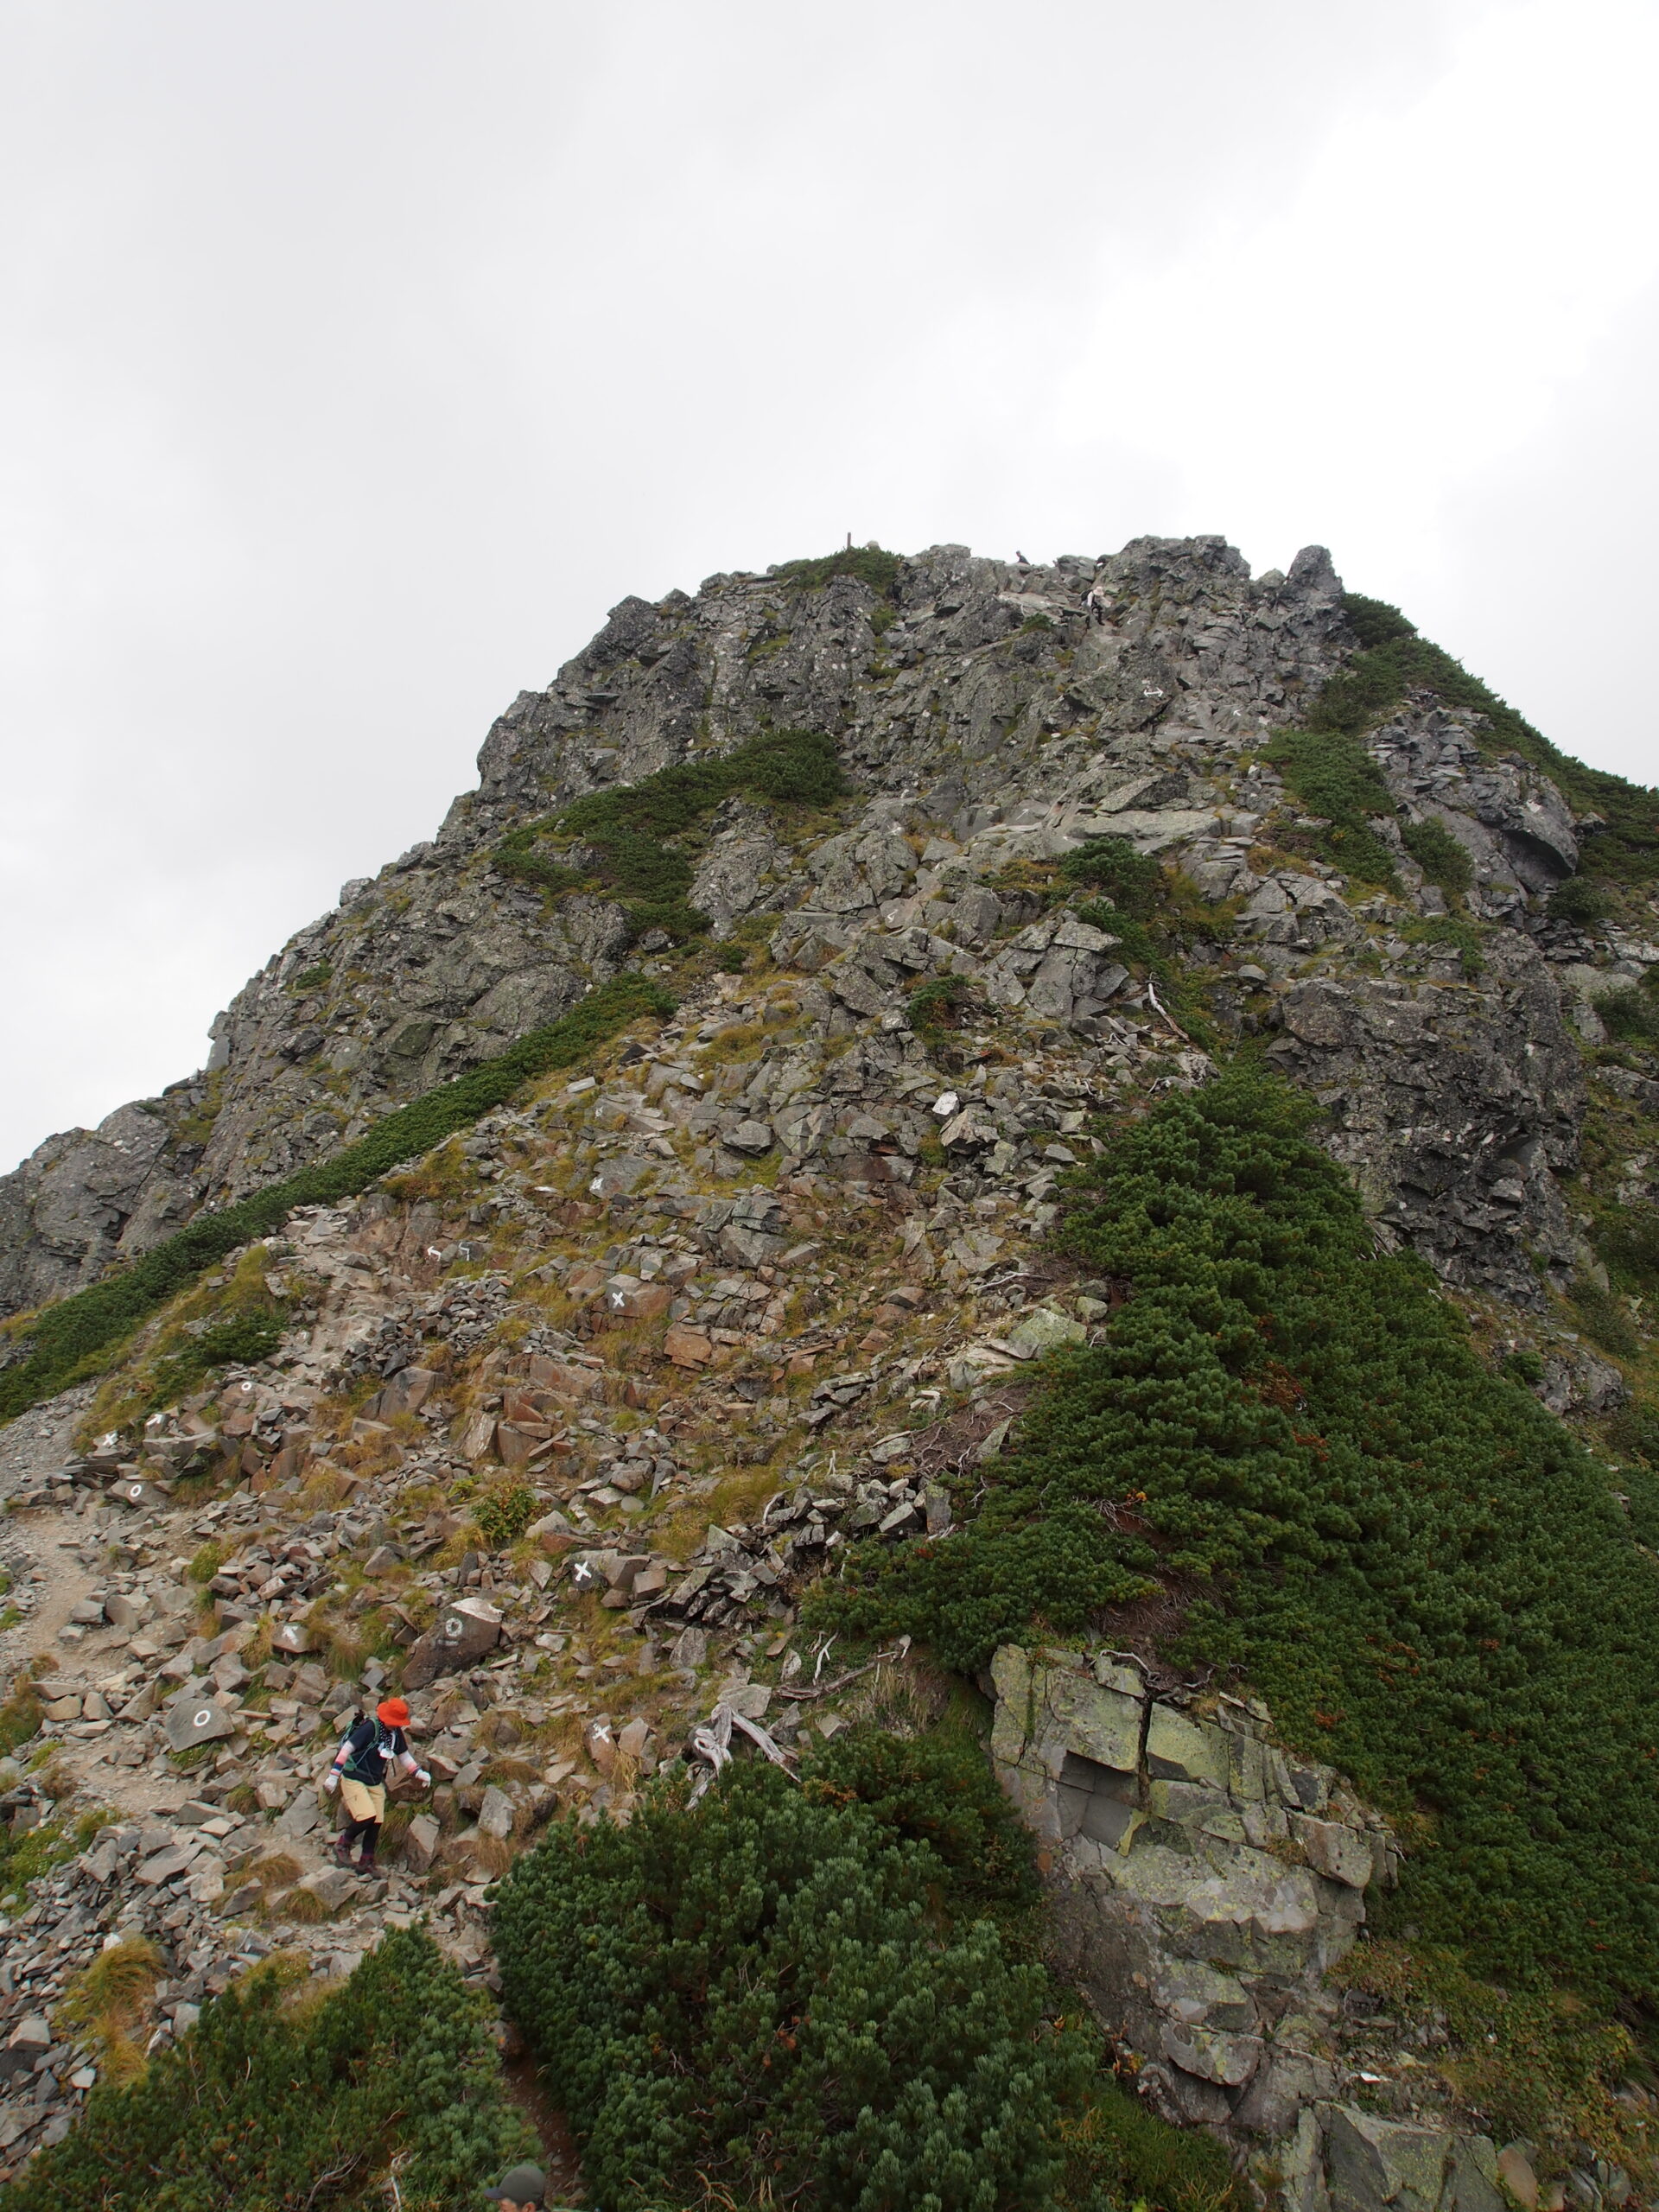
562	1423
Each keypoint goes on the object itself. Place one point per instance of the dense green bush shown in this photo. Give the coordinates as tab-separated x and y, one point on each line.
1128	879
870	564
1629	1244
1635	1430
1439	856
235	1339
69	1338
274	2105
1337	781
757	1996
938	1790
623	830
1421	1569
1606	1319
1144	909
1631	1015
1579	900
933	1007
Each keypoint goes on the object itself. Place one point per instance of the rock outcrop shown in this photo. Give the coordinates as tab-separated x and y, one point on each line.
1202	1880
989	716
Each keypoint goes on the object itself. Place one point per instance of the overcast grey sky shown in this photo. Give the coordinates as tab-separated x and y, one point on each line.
355	359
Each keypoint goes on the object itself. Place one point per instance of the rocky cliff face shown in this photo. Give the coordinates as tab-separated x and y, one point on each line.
989	713
771	1279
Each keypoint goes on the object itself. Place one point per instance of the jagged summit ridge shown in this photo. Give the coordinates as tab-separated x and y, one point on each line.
994	709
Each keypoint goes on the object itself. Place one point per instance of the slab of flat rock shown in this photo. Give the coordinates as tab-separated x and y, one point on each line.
495	1813
195	1718
1043	1331
461	1634
301	1816
420	1841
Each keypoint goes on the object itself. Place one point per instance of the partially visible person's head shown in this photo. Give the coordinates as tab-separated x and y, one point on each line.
394	1714
521	2188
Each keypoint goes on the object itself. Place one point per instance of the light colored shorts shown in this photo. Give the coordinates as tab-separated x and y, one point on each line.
362	1803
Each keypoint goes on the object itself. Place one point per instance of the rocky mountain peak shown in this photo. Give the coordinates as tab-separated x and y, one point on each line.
851	923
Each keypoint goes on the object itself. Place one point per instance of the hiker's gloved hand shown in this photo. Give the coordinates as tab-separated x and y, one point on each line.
423	1777
331	1780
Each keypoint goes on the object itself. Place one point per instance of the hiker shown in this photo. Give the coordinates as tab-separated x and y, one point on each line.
1098	602
359	1774
521	2188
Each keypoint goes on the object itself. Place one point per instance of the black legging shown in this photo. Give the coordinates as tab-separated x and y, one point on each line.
366	1833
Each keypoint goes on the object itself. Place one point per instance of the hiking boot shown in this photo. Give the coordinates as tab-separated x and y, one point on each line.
343	1852
367	1868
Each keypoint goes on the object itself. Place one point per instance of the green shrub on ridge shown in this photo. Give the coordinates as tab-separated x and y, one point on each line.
624	829
65	1339
753	1996
1394	660
273	2104
1422	1570
939	1789
1443	860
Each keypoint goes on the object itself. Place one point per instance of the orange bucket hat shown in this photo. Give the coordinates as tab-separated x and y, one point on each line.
394	1713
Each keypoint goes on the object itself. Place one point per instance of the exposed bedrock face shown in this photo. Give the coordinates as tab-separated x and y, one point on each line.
987	713
1202	1884
1202	1880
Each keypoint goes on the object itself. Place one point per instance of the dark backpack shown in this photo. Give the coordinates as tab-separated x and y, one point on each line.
377	1742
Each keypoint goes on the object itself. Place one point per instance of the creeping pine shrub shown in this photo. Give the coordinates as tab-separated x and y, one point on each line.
1630	1246
1635	1430
623	830
1439	856
1606	1320
1631	1014
937	1789
1337	781
232	1340
1580	900
1422	1570
1134	891
1128	879
1526	1366
276	2103
754	2001
66	1339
